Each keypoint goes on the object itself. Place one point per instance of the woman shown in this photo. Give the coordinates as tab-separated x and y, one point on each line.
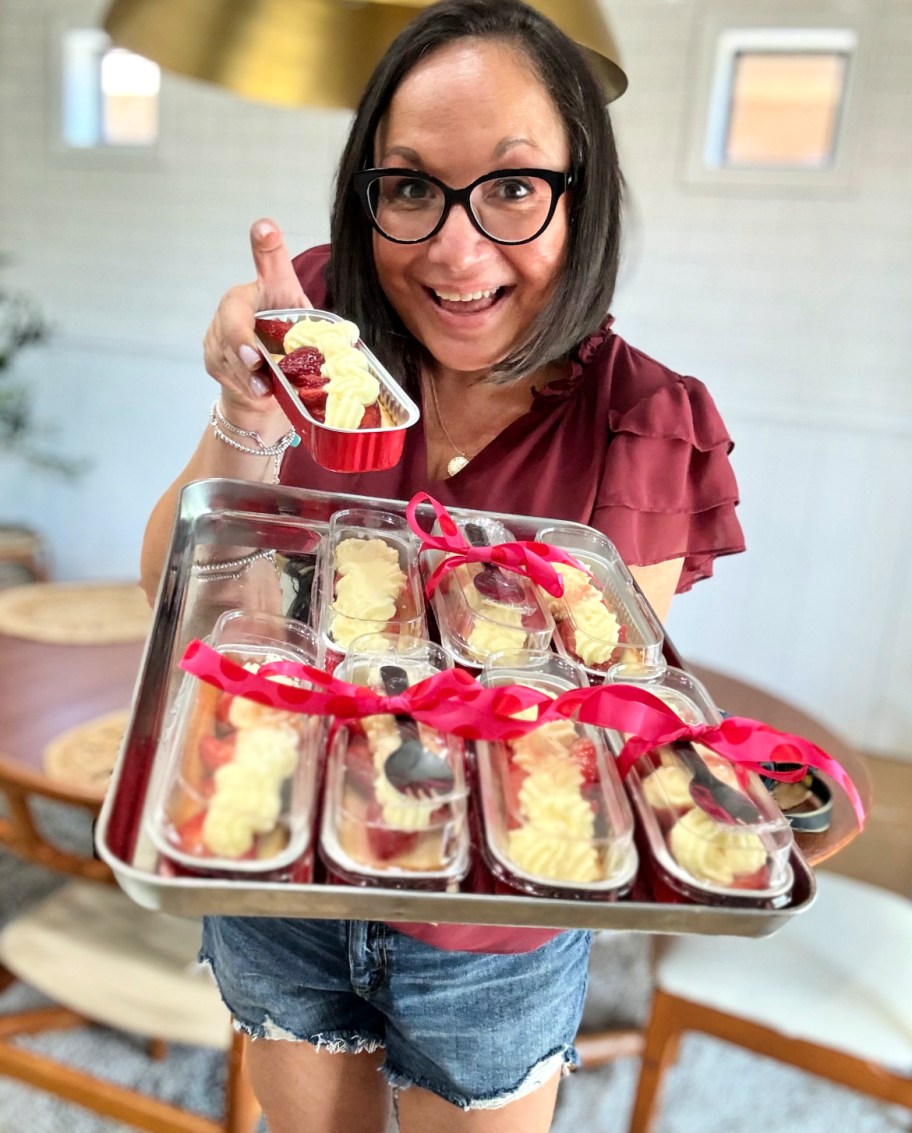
495	315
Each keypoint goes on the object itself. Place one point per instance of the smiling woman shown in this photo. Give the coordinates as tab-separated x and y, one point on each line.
475	237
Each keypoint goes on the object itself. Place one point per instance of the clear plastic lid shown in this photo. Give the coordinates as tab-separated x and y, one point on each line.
710	826
375	829
482	609
237	791
556	821
369	581
602	620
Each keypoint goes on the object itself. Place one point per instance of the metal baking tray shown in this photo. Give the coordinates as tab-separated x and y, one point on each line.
223	519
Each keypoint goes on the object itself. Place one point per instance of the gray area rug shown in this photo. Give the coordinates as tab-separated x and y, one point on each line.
714	1088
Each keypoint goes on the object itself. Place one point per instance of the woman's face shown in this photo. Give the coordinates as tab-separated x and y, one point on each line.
470	108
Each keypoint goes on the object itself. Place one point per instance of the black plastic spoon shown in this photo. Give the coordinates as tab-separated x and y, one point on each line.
717	799
491	582
412	768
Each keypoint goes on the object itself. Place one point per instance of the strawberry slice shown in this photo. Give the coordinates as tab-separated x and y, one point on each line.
386	844
215	753
190	835
302	366
582	752
359	764
371	418
272	333
223	707
513	781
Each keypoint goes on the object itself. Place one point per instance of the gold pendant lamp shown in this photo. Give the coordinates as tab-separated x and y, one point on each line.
308	52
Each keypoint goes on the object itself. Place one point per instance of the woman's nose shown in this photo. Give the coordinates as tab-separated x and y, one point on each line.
458	243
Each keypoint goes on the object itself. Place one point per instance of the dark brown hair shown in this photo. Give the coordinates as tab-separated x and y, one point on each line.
583	293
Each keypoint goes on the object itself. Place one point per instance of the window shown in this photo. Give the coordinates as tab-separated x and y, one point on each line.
110	96
777	98
774	108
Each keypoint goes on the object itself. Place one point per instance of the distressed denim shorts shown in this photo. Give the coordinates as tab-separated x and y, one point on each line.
478	1029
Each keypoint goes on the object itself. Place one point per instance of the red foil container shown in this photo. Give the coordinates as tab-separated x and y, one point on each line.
343	450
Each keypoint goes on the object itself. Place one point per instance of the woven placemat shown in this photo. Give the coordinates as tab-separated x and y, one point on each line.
84	756
73	613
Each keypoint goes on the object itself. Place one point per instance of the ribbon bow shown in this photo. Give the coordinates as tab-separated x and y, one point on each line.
650	723
528	557
451	701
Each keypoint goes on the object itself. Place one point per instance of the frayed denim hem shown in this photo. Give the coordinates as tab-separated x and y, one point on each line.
564	1059
336	1042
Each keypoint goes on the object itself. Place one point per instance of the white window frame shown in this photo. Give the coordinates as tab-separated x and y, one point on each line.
729	27
771	41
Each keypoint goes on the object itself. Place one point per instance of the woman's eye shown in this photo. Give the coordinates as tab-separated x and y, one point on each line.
410	191
508	189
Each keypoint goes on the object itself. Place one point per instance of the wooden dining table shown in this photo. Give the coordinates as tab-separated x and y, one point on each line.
46	689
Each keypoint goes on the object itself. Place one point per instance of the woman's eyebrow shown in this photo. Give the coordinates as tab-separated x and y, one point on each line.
403	152
506	144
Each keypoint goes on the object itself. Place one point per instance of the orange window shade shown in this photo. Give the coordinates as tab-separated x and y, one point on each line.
785	108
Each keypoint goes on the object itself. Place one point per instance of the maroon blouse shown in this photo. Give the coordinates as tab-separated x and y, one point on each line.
622	444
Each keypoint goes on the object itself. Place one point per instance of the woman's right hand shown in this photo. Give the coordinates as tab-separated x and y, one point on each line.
228	348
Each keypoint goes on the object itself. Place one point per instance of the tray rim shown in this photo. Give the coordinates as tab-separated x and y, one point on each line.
192	897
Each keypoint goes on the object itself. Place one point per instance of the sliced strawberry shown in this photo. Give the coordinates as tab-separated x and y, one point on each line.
302	366
190	835
272	333
223	707
312	396
215	753
582	752
513	781
359	764
385	843
318	411
371	418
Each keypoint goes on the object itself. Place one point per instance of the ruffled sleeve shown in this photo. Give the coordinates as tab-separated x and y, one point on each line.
668	489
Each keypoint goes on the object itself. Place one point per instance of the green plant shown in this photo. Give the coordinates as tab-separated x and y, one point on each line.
21	434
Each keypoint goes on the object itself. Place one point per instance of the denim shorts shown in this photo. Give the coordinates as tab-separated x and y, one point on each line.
478	1029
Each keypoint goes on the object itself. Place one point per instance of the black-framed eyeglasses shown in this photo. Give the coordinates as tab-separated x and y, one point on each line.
509	206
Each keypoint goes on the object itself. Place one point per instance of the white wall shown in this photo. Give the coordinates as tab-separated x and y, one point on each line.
792	306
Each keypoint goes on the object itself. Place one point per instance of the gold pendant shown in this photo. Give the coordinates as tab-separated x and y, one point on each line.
459	461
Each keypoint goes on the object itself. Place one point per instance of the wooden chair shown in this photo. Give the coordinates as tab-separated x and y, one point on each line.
104	960
830	993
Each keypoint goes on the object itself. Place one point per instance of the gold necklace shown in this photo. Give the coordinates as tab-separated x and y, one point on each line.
460	460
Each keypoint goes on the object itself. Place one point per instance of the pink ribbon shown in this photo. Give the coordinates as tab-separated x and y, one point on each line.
451	701
533	559
650	723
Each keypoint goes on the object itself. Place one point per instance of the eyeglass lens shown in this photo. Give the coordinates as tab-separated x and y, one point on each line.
507	208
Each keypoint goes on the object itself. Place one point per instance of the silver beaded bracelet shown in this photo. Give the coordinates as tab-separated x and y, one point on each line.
229	569
222	427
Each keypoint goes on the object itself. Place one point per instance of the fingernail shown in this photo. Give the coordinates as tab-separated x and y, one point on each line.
263	229
248	355
258	386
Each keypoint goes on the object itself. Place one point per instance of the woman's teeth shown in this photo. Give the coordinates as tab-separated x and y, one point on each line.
456	297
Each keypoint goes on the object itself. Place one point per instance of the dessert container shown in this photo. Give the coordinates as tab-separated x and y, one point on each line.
555	820
371	832
214	518
473	626
237	789
709	851
344	450
605	620
369	581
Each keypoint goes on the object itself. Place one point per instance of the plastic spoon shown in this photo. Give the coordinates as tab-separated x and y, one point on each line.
491	582
717	799
412	768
